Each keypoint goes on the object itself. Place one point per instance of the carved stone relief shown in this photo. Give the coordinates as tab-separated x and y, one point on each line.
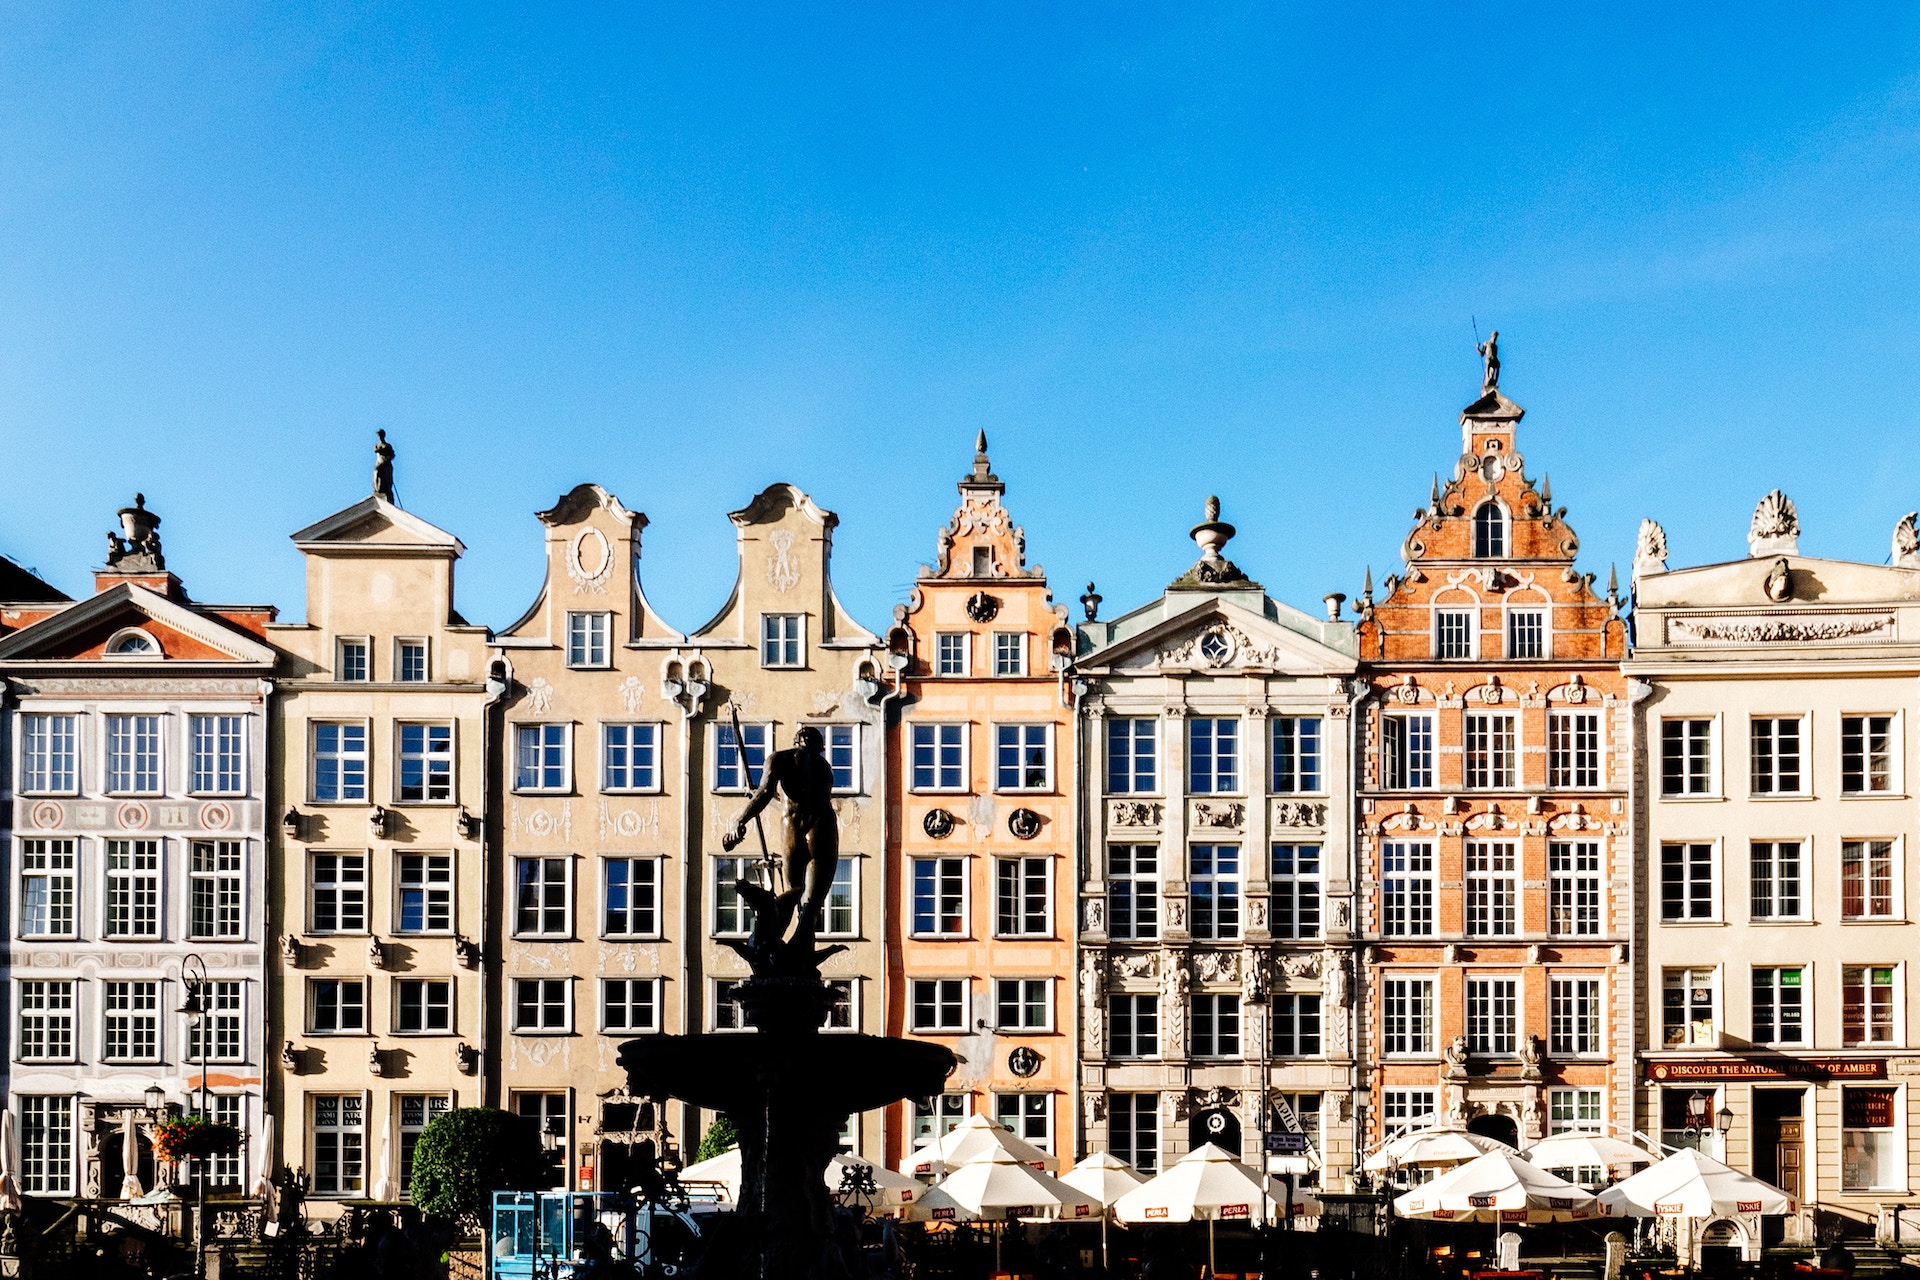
1299	813
1219	814
1133	813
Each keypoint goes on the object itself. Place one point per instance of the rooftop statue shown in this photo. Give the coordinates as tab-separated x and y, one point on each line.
383	468
1490	350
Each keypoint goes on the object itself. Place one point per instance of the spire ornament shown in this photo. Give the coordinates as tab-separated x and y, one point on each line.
1775	529
1906	541
1213	569
1650	550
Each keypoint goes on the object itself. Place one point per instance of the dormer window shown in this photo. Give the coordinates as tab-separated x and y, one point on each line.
133	643
1489	531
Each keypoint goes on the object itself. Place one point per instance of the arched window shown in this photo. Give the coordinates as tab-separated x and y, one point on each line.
132	643
1489	530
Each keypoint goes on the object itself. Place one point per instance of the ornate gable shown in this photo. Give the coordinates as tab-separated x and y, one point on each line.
981	540
1220	637
130	624
593	562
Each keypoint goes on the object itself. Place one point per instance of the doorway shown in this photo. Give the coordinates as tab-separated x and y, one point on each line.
1779	1148
1496	1126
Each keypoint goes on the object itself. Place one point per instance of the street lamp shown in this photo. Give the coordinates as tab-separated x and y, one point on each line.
195	1008
156	1098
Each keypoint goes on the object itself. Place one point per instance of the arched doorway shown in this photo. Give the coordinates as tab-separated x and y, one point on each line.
1496	1126
1217	1125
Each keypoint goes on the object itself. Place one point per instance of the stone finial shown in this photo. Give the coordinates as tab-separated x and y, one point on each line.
981	477
1906	542
1091	603
1650	550
383	468
1212	533
138	551
1775	530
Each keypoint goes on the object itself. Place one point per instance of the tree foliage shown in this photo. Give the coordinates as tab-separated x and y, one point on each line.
467	1154
720	1138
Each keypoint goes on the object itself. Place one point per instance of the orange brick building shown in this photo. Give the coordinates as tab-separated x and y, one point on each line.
980	855
1496	886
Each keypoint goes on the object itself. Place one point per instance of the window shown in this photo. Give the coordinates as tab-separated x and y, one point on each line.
133	754
727	772
939	1004
1526	633
727	1014
214	889
1687	1013
339	1144
1009	653
130	1030
1213	890
1131	757
46	1145
1402	1110
1573	749
417	1111
1407	1014
351	662
1573	1017
1297	1113
410	661
339	763
1866	754
780	640
936	1117
1133	1026
633	898
541	1004
629	1005
225	1109
1774	879
546	1111
1870	1140
1216	1026
1493	1015
1866	879
1489	531
1491	758
731	918
1573	889
940	897
1686	882
540	757
843	756
1020	898
426	893
950	653
1296	753
1575	1111
48	760
1453	633
587	635
1779	1007
540	898
1406	889
219	749
1022	1004
338	889
133	888
1133	892
1296	1026
426	762
843	1011
422	1006
1686	1118
1296	891
1867	1005
46	888
1133	1129
842	910
1213	756
939	757
1686	757
1776	756
1029	1115
1493	889
46	1021
1021	757
628	757
1408	743
336	1006
221	1020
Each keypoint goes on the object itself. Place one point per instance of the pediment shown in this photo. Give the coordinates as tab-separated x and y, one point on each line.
1494	407
375	524
1222	637
108	628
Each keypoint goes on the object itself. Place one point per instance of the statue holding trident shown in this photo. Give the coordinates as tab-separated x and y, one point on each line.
804	779
1490	349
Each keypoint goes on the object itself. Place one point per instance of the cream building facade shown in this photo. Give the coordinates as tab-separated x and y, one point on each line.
1774	790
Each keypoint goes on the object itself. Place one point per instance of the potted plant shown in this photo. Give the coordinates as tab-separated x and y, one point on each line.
193	1138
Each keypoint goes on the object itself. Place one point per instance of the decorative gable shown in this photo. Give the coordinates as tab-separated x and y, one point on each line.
981	540
131	624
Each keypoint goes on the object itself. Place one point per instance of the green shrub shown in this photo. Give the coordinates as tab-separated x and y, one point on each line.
469	1153
720	1138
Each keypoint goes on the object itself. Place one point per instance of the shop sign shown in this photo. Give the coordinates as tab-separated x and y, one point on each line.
1867	1108
1816	1069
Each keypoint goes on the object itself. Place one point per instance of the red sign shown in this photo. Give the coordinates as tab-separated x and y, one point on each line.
943	1215
1019	1211
1157	1211
906	1197
1768	1069
1233	1211
1746	1206
1513	1215
1480	1202
1670	1210
1443	1215
1866	1108
1083	1211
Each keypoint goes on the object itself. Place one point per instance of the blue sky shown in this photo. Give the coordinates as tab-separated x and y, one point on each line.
1157	252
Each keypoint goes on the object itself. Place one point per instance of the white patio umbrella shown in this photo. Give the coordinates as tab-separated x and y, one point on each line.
263	1186
1000	1187
972	1139
130	1188
9	1166
1104	1177
1587	1150
388	1187
1689	1185
1432	1147
1498	1187
1206	1183
894	1190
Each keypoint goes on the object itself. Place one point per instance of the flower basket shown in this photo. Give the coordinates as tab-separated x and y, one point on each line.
193	1137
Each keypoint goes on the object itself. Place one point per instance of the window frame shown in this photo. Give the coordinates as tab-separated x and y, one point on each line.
1132	1023
1688	881
1896	1024
1564	749
1774	986
1285	911
154	1016
584	641
1134	878
1470	614
235	1016
342	758
1663	1008
1298	780
1896	762
1297	1014
1016	644
1803	881
964	645
941	1005
606	888
960	869
398	1006
1575	983
1765	785
313	886
53	875
1024	1003
156	875
516	1006
1567	887
1417	1038
1710	743
1221	1008
602	1003
125	785
849	869
856	755
519	885
749	774
1023	866
1024	1110
426	887
51	1018
1233	785
1510	614
1485	532
797	642
654	729
1502	754
428	758
1225	912
400	646
1398	758
1419	892
1123	750
340	644
542	730
1022	768
239	877
724	898
311	1018
937	732
1483	1028
73	753
241	758
1488	881
1896	875
344	1188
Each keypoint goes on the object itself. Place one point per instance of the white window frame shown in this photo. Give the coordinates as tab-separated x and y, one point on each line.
1138	1148
1483	1027
425	982
1141	886
155	1015
347	1188
939	1027
1504	522
963	642
1504	751
607	750
720	995
1235	785
47	1144
541	729
940	896
1419	892
49	781
1775	986
1022	744
1569	885
1222	1002
1471	614
1417	1038
1024	1003
1009	645
936	728
1574	981
1803	879
1160	1047
1129	754
234	1015
1398	759
428	758
743	766
1896	756
849	872
724	898
428	886
1296	1002
1563	726
652	985
157	875
1025	1107
312	1014
542	1004
1575	1096
545	862
400	646
601	908
1898	1030
1509	613
1716	909
313	883
130	786
240	877
795	642
1023	866
1898	1183
1490	881
1714	755
46	849
1291	730
834	1025
856	751
54	1018
584	636
1897	853
1766	786
240	757
340	645
1293	888
1717	1004
342	758
1228	903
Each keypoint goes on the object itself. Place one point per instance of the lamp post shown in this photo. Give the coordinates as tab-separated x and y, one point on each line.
1724	1122
196	1010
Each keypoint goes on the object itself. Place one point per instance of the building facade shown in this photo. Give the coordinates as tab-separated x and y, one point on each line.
1496	888
386	885
595	933
1216	892
980	866
138	786
1775	697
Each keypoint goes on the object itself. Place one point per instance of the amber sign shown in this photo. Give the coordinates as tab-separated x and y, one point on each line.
1767	1069
1867	1109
